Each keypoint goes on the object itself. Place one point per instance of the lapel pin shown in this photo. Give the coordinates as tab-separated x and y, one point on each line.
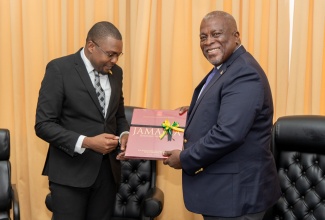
110	72
221	72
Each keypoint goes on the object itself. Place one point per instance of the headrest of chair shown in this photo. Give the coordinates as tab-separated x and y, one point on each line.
129	112
4	144
304	133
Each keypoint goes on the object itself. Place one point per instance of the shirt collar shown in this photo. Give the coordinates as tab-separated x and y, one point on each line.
87	63
237	48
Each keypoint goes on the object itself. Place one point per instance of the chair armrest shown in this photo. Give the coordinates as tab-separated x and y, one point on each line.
153	202
15	202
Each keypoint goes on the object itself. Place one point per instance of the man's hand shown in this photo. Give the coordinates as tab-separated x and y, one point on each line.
173	159
123	142
183	109
103	143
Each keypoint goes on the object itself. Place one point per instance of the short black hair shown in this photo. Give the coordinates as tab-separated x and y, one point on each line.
102	30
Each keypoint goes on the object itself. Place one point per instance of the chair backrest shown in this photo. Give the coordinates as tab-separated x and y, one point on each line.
137	178
4	144
298	145
5	175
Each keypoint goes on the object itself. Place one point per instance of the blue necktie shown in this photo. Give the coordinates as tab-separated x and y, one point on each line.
208	80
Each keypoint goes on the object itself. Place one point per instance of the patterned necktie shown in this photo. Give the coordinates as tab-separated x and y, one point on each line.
100	92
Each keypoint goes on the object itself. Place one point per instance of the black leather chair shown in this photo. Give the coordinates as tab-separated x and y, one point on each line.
298	145
8	193
137	198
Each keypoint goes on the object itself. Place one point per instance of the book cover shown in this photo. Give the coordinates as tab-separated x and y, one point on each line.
154	131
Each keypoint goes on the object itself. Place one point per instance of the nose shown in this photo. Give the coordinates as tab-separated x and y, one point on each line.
209	40
114	59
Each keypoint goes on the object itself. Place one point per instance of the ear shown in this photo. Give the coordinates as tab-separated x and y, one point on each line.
90	46
237	36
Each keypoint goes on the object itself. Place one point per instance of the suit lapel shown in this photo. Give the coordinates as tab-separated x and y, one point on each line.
196	101
82	71
206	89
223	69
112	80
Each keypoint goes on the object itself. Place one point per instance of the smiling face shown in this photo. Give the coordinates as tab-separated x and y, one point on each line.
218	37
104	53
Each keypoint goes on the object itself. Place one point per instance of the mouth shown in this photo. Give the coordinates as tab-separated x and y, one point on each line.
212	50
214	55
107	68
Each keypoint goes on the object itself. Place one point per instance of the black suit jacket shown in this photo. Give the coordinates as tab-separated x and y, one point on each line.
67	108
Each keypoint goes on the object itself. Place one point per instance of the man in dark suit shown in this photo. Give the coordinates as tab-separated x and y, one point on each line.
228	168
82	131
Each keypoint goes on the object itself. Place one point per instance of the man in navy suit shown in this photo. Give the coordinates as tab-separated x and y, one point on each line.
83	135
228	168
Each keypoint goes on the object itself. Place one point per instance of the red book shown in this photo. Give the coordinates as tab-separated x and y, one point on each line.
149	134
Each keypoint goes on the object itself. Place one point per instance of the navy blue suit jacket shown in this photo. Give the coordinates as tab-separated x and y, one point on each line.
228	168
67	108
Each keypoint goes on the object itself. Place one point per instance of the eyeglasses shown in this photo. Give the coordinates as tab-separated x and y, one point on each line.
109	55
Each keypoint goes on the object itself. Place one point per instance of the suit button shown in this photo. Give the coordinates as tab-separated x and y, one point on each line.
185	141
